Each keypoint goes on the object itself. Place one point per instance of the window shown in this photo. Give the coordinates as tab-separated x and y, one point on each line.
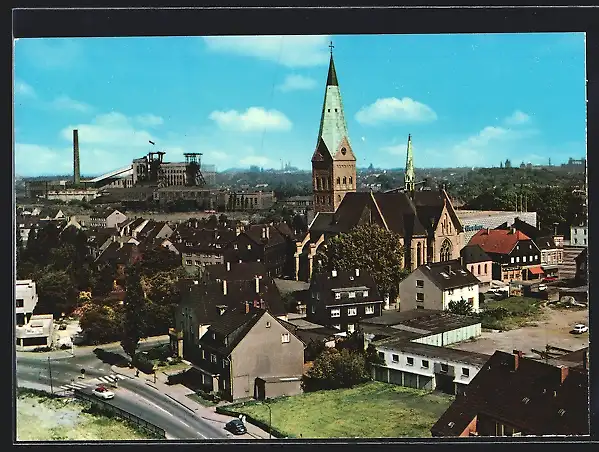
512	260
235	247
249	247
351	180
381	355
338	181
425	364
523	258
352	311
419	307
351	328
20	303
336	312
517	258
352	295
313	309
585	241
189	262
267	324
410	361
369	309
420	283
337	296
444	368
395	358
284	338
318	295
344	180
337	326
584	231
517	247
212	358
575	231
471	300
203	354
365	293
420	297
445	251
486	269
224	363
575	240
478	271
197	263
465	372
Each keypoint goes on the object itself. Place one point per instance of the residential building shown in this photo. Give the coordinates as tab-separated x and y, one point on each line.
51	214
438	328
202	247
236	271
341	298
516	396
98	239
423	366
106	218
270	244
248	353
552	255
515	255
31	330
476	220
579	235
435	286
477	262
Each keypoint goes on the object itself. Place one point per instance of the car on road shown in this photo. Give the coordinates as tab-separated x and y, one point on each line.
549	279
236	427
580	328
103	393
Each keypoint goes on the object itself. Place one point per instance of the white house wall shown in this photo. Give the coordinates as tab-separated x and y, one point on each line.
451	337
458	294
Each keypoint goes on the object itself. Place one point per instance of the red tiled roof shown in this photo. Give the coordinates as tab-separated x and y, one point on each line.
498	241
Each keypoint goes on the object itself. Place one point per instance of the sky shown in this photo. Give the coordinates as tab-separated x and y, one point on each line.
466	99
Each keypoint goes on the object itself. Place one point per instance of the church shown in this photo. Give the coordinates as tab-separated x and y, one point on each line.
429	229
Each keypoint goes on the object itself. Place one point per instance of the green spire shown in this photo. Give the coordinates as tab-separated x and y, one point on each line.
409	177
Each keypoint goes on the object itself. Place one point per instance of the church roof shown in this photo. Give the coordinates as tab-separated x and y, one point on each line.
333	128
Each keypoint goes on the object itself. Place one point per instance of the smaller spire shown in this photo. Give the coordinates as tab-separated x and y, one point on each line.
332	78
409	177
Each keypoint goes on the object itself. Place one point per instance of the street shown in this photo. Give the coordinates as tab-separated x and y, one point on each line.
132	395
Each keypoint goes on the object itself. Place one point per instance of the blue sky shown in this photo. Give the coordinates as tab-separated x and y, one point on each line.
467	100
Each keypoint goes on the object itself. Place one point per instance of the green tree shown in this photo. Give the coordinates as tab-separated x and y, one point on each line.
101	323
369	248
134	312
334	369
104	281
163	297
159	259
460	307
373	358
19	248
56	293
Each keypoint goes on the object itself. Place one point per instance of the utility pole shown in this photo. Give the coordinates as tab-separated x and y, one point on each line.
50	372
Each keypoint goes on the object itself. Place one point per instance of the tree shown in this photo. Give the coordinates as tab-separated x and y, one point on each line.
369	248
163	296
19	247
134	313
55	292
101	323
104	283
158	259
460	307
334	369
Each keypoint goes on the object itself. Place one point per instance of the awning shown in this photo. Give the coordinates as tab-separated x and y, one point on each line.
536	270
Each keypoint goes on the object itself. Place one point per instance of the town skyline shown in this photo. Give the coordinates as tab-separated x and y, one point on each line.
120	94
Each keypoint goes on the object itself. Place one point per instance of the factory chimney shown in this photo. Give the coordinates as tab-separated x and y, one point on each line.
76	175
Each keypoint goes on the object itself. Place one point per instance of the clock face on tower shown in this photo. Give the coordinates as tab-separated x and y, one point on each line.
343	151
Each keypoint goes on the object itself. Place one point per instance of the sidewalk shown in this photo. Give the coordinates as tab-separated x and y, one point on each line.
179	394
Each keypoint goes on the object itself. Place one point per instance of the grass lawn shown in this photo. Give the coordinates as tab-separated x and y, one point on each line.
202	401
372	410
41	418
519	311
171	367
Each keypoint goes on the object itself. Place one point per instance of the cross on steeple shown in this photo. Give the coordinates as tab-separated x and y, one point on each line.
331	46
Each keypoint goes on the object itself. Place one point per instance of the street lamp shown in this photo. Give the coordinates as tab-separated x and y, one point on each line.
269	418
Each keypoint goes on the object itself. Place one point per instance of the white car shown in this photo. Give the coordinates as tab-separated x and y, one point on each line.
103	393
580	328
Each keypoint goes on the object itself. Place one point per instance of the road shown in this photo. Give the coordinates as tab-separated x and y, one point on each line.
132	395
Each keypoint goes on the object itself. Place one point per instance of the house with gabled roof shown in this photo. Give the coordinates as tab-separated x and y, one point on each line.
435	286
107	218
477	262
515	255
513	395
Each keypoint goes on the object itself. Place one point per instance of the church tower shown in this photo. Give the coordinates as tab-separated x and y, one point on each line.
409	177
333	161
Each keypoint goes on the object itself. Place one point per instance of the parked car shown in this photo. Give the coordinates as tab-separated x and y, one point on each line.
236	427
103	393
580	328
549	279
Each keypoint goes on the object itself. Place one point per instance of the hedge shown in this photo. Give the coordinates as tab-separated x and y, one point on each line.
264	426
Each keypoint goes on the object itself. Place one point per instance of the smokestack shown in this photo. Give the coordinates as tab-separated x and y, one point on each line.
77	174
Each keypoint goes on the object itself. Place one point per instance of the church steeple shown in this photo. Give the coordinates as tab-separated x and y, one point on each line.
409	177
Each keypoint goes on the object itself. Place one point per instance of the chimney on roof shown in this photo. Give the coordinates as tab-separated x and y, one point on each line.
224	287
228	266
517	356
357	272
334	273
448	269
513	230
563	373
257	283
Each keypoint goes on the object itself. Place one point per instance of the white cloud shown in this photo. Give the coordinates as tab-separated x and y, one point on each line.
66	103
149	120
290	51
295	82
516	118
253	119
23	89
217	155
392	109
50	53
256	160
485	136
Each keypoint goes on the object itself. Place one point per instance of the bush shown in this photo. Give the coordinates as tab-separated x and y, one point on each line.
42	349
143	363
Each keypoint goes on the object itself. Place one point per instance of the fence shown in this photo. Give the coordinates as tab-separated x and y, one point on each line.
105	406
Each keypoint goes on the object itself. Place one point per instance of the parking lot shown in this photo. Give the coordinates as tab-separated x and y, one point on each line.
553	329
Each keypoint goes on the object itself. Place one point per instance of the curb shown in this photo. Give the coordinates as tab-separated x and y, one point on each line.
179	402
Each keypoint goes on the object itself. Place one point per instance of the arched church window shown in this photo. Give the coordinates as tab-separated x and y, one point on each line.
351	181
445	251
338	181
329	199
418	254
343	151
344	180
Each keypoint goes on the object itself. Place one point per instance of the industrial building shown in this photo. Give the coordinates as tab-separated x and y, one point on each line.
475	220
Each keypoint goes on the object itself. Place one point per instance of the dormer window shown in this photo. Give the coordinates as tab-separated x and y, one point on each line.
338	296
365	293
352	295
249	247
